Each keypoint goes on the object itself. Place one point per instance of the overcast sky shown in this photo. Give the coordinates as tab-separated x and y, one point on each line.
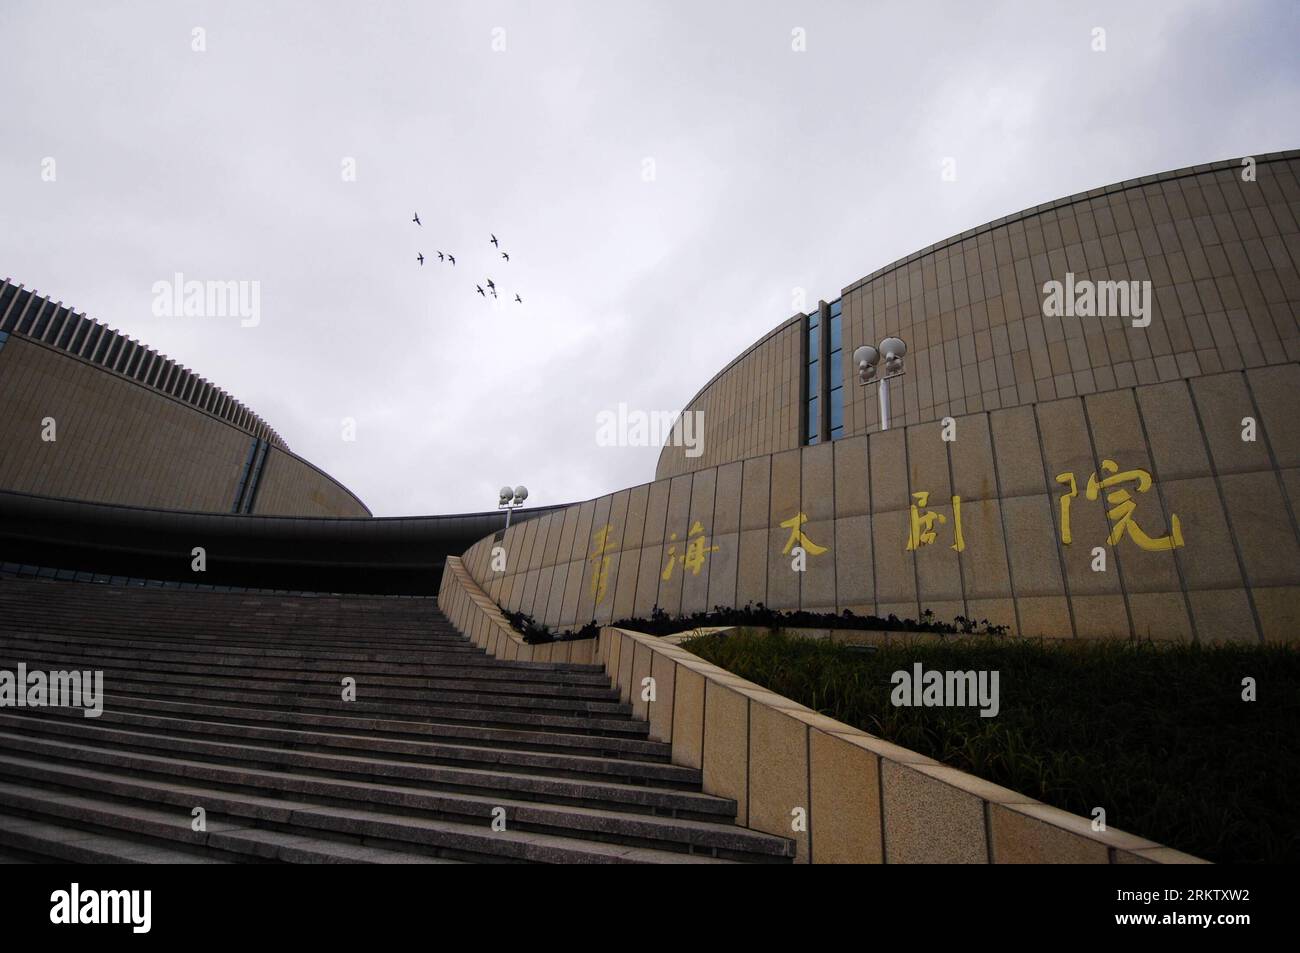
773	170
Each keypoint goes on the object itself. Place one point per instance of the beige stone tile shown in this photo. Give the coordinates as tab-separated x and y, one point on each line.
663	669
1223	401
778	774
929	821
688	717
1279	612
726	746
846	822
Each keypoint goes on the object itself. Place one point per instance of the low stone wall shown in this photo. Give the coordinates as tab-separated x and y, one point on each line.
470	610
863	800
857	798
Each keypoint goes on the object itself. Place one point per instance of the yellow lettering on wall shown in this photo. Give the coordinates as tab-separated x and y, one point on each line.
697	550
1122	506
1067	479
922	530
600	562
795	525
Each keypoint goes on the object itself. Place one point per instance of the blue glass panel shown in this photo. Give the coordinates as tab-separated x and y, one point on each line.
814	344
835	371
835	308
837	409
835	334
814	418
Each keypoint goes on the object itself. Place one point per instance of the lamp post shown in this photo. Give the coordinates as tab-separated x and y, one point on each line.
867	357
509	499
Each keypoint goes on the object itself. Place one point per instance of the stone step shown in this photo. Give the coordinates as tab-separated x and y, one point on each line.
510	680
231	702
309	673
73	845
467	841
569	742
419	711
175	781
67	818
27	734
464	656
329	689
135	645
611	769
223	627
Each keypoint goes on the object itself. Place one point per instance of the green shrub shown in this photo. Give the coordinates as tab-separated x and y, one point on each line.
661	623
535	633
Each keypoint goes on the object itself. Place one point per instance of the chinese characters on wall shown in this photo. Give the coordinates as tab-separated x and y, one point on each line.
1120	488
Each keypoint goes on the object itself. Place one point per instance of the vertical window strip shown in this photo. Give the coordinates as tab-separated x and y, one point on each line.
238	506
255	482
836	364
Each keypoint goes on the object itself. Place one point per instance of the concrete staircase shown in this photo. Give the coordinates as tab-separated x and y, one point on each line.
232	702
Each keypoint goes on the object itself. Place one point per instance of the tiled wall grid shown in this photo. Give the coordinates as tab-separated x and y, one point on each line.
1222	255
1196	521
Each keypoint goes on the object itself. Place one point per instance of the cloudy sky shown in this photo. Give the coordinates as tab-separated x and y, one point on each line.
773	170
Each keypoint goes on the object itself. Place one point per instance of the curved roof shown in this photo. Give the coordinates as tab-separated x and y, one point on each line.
34	316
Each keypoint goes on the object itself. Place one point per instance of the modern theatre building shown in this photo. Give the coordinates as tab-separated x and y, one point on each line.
1094	434
1089	430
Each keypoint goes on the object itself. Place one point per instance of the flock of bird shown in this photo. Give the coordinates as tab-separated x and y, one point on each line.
451	259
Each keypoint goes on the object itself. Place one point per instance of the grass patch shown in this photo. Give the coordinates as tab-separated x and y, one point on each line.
1157	735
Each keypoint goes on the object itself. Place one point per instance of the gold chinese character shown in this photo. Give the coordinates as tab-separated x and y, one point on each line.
696	551
795	525
1067	479
922	531
600	561
1123	505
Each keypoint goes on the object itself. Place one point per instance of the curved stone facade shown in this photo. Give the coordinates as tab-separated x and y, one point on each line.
1221	251
130	426
1016	536
1065	476
752	406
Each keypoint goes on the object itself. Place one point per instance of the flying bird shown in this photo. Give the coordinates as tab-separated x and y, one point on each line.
494	241
451	258
480	290
420	258
489	283
494	292
519	299
441	256
416	219
505	256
